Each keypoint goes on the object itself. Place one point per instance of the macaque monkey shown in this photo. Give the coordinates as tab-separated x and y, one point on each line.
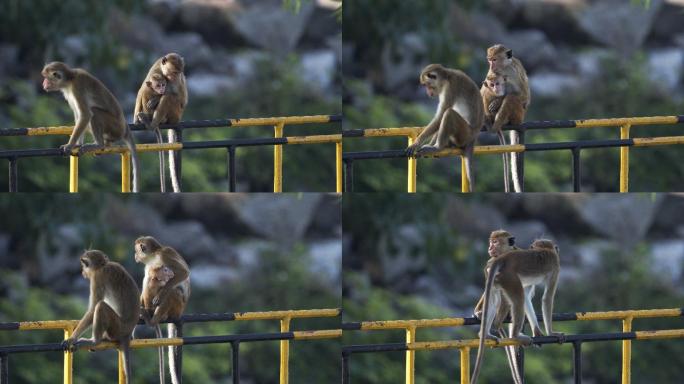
459	116
500	242
502	62
168	296
113	310
150	97
502	105
95	110
156	277
171	104
509	275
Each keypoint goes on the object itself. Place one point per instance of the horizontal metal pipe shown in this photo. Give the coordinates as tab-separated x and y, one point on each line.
67	129
539	340
459	321
189	318
192	340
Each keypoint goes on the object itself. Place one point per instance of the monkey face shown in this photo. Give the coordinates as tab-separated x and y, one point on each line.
140	251
53	77
497	85
161	274
157	85
172	66
498	246
430	81
498	62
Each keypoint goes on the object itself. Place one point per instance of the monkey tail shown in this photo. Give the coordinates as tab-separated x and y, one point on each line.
124	348
160	351
130	143
512	360
173	368
517	186
162	170
483	323
175	182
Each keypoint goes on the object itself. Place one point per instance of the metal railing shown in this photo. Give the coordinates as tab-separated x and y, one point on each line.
464	346
575	147
230	145
285	335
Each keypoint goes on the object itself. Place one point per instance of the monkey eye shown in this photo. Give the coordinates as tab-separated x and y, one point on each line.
142	248
57	75
84	262
431	76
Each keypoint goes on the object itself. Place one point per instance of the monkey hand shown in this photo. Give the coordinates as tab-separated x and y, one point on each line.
69	344
411	150
559	335
67	148
161	296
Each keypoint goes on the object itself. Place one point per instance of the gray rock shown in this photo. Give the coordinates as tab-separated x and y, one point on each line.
590	253
195	51
214	20
209	84
532	47
588	62
402	63
294	213
526	232
318	68
190	238
665	68
624	218
212	275
668	260
270	26
326	262
548	84
621	25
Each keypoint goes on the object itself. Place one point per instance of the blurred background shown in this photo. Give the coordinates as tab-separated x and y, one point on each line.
256	58
422	256
246	253
585	59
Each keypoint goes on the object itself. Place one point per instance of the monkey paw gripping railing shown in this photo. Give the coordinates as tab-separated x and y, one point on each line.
230	145
464	346
285	335
575	147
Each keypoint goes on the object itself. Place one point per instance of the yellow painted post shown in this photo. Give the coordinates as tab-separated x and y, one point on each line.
338	167
73	174
465	187
410	356
624	159
125	172
122	374
412	168
465	365
626	352
284	351
278	160
68	359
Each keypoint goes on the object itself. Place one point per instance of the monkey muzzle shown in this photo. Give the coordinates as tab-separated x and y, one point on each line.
46	85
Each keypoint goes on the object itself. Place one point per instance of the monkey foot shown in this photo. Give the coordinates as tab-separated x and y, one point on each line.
89	148
524	339
427	149
559	335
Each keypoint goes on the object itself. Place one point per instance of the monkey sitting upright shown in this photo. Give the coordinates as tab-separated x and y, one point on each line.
113	308
168	300
95	110
501	62
458	118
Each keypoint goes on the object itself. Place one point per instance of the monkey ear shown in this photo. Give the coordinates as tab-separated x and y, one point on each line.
509	53
511	241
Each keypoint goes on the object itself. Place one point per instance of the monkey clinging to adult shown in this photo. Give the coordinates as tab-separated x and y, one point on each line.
502	62
113	308
171	104
170	298
502	105
95	110
149	98
459	115
509	275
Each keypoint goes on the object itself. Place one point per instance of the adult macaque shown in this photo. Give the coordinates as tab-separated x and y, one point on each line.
501	62
95	110
113	308
168	300
458	118
171	104
509	275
